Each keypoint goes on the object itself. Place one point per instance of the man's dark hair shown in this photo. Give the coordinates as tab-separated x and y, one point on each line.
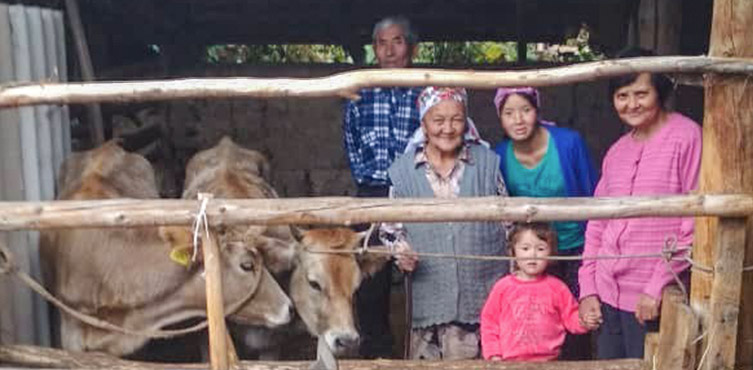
662	83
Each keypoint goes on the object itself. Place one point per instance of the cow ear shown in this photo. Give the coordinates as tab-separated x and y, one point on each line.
278	253
371	263
179	240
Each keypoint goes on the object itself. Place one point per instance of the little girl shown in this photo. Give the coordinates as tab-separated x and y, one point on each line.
528	311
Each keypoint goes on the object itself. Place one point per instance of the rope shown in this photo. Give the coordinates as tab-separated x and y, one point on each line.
199	221
670	250
383	251
7	266
663	255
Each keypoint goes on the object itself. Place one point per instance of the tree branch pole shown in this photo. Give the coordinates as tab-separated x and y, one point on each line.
29	356
725	298
347	84
349	211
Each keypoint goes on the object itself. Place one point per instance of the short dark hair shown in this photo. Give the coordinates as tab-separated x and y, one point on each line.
662	83
542	230
409	33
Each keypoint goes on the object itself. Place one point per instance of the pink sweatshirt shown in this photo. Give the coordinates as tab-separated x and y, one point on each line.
527	320
666	163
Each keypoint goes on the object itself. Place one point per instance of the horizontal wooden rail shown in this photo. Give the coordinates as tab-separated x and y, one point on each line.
346	84
347	211
28	356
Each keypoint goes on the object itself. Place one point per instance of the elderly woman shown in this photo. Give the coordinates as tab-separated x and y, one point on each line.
660	155
446	159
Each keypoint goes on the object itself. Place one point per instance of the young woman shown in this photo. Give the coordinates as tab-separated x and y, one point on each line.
446	160
543	160
660	155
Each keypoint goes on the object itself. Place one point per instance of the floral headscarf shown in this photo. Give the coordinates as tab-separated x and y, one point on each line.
432	96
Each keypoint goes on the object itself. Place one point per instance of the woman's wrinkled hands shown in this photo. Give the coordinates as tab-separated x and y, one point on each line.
589	313
405	258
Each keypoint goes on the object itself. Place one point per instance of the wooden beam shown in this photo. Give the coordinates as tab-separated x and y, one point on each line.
724	304
349	211
219	356
29	356
93	111
650	347
347	84
677	332
726	165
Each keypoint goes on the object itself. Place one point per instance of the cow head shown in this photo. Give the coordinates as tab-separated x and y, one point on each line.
322	284
243	275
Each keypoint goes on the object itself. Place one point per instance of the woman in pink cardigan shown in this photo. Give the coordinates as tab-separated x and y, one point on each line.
659	156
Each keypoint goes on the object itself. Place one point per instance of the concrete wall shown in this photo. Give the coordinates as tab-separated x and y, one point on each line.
303	137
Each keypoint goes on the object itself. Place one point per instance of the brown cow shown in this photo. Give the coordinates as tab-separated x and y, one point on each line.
321	285
125	276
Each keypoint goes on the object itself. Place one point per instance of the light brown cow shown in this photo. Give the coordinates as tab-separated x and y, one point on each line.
321	285
125	276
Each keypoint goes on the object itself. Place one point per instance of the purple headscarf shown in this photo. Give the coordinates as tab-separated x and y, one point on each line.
504	92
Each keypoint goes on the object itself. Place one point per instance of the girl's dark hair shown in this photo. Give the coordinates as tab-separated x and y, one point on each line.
662	83
542	230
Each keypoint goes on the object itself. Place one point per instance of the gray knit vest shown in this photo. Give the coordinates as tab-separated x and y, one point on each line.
448	290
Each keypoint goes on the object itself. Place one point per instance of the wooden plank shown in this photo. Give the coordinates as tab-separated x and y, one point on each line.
660	25
94	112
348	211
650	347
727	159
48	357
677	332
218	336
63	74
347	84
726	288
52	73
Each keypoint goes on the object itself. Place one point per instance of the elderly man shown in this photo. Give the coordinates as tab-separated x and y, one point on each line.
376	129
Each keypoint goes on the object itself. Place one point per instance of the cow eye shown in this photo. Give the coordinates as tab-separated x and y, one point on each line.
314	285
247	266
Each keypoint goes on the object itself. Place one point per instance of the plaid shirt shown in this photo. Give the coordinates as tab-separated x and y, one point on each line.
376	130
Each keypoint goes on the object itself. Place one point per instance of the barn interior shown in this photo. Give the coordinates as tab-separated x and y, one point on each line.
146	39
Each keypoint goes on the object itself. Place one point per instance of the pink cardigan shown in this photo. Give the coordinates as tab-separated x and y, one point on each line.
666	163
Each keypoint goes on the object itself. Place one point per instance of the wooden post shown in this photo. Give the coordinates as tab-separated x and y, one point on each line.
219	355
93	111
660	25
675	347
726	167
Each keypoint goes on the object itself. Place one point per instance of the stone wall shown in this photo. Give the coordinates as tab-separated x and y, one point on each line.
303	137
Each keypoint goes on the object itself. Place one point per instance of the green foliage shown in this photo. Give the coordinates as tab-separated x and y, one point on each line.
576	49
287	53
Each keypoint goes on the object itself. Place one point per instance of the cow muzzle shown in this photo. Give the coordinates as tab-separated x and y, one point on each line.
342	342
